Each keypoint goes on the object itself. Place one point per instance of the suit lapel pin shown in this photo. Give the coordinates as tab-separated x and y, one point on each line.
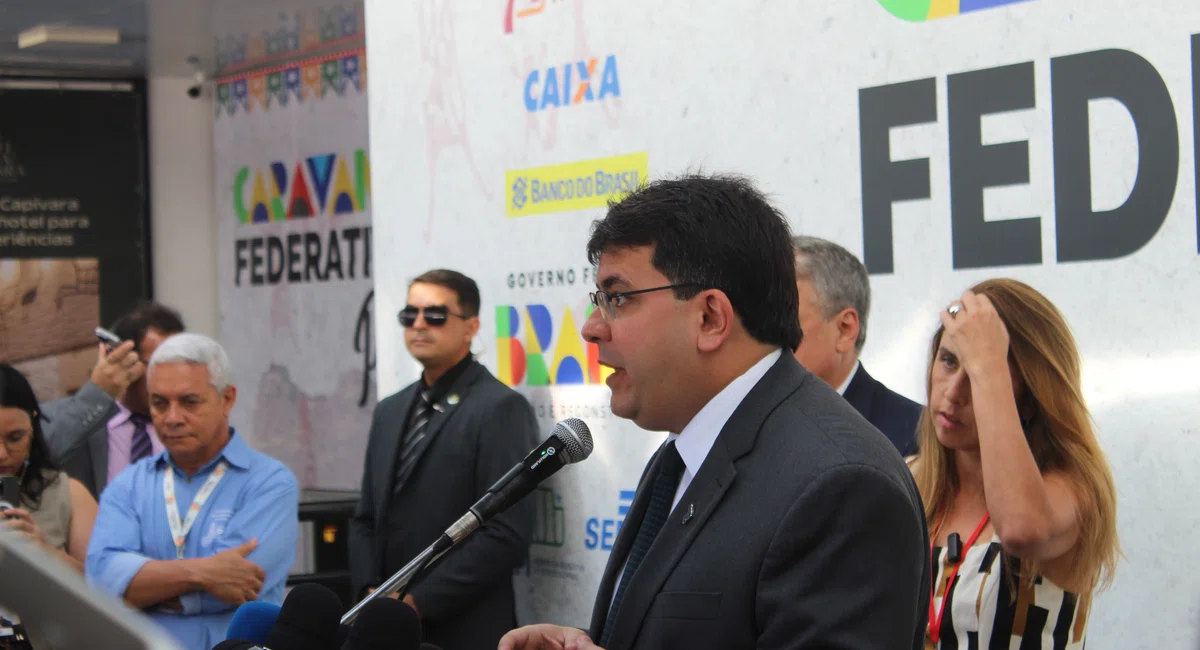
453	399
687	516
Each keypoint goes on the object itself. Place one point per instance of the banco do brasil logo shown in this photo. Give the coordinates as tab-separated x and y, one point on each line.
921	10
579	185
519	195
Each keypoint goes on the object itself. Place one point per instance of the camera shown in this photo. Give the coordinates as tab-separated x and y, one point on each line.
199	77
197	88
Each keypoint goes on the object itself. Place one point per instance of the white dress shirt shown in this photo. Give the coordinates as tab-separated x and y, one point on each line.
697	438
849	378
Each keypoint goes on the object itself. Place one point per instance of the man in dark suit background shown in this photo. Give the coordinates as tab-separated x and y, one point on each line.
774	516
835	298
103	428
434	449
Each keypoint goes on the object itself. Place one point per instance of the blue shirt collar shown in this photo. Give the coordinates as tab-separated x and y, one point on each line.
236	453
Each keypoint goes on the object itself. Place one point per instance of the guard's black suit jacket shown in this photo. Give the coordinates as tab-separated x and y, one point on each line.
466	600
806	530
892	413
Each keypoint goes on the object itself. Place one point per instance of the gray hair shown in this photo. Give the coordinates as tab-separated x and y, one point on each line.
838	277
194	349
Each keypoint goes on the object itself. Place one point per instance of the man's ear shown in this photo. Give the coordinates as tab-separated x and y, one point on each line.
848	328
717	319
228	398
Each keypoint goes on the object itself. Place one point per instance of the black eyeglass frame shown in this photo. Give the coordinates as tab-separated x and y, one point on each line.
605	304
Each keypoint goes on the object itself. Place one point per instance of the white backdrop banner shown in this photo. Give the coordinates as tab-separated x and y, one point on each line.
293	193
943	141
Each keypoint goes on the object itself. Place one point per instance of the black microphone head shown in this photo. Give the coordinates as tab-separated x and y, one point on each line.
235	644
308	619
385	624
576	439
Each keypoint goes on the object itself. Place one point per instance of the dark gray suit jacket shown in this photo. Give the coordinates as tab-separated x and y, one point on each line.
807	532
466	600
76	430
892	413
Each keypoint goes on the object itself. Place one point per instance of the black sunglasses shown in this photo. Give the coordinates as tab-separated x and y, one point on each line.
435	315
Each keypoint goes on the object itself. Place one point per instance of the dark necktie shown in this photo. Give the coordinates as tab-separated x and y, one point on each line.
413	435
140	447
663	493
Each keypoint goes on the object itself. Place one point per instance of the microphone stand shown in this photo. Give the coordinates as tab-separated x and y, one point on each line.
465	525
574	444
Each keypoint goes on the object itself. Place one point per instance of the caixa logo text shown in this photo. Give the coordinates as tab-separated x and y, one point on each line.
581	82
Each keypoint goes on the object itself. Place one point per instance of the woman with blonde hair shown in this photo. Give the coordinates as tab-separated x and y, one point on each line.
1018	495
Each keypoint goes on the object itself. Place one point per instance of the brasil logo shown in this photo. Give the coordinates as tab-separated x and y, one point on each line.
921	10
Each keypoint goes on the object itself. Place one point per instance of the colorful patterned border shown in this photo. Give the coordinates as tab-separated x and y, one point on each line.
309	56
301	34
299	81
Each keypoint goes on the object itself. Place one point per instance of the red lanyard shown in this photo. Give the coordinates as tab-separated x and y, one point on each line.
936	614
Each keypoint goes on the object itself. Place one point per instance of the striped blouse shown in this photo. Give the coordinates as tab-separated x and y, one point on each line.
983	614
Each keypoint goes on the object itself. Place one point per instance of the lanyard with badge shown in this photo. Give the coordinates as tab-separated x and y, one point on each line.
955	552
179	531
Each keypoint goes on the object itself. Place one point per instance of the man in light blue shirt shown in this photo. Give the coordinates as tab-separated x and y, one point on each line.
191	533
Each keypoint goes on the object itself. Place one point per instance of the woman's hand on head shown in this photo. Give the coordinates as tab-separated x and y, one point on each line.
977	335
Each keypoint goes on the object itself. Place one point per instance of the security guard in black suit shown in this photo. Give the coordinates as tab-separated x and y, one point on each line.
434	449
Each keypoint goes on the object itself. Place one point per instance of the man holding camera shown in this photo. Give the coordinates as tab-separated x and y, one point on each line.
96	433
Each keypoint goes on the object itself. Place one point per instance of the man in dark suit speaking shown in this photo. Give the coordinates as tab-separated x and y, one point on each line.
434	449
835	300
774	516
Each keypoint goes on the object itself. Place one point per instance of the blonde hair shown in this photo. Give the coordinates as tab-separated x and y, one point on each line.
1057	426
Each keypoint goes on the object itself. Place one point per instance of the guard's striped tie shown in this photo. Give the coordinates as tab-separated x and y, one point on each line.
415	433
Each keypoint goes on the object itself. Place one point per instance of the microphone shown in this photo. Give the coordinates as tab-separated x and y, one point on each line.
308	619
569	442
385	624
253	621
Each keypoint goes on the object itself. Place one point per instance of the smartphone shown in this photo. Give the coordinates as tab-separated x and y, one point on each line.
106	337
10	491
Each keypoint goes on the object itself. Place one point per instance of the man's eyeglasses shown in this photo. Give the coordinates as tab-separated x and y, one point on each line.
435	315
608	302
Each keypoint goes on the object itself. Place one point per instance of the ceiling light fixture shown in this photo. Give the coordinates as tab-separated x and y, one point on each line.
68	35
